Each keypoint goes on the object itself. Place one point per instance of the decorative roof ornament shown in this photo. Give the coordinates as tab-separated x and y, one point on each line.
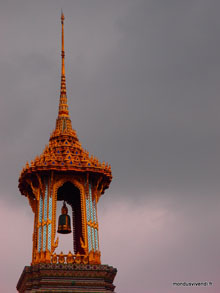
63	119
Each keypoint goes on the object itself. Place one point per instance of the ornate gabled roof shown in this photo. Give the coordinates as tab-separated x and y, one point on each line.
64	152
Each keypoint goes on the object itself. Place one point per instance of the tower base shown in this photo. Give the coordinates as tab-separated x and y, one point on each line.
84	278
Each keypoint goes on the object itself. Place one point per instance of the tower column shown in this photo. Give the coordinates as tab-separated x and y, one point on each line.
43	224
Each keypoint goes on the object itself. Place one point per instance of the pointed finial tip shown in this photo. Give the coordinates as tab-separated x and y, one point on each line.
62	15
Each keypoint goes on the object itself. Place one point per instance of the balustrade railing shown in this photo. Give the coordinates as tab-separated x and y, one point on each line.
93	258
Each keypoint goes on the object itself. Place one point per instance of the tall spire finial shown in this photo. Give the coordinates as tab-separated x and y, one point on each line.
63	120
62	50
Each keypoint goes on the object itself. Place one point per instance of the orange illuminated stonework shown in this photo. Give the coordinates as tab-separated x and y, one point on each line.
64	172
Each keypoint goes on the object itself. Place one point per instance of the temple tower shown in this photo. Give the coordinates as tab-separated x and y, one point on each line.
65	172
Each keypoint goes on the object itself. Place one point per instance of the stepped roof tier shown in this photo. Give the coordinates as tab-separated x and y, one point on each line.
64	152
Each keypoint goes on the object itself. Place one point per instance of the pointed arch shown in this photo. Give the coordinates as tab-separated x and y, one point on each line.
80	186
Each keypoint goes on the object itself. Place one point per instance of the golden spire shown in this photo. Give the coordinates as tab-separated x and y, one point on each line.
63	85
63	119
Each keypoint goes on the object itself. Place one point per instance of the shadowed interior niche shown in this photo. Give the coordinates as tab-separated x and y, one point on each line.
70	193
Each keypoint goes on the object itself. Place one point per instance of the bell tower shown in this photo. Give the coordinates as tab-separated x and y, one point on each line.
65	172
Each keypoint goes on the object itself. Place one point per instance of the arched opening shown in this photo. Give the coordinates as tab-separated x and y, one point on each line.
71	194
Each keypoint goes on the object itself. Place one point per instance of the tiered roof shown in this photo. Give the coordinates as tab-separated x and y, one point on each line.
64	152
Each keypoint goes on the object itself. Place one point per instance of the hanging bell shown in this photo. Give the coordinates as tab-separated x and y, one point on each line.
64	221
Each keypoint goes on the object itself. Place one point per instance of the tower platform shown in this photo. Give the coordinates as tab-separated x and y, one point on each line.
79	278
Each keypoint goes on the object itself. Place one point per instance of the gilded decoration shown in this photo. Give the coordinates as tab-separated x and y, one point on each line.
64	161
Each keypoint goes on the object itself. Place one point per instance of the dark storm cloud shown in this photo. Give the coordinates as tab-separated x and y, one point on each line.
143	91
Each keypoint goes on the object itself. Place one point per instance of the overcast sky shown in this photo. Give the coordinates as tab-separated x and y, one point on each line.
144	94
